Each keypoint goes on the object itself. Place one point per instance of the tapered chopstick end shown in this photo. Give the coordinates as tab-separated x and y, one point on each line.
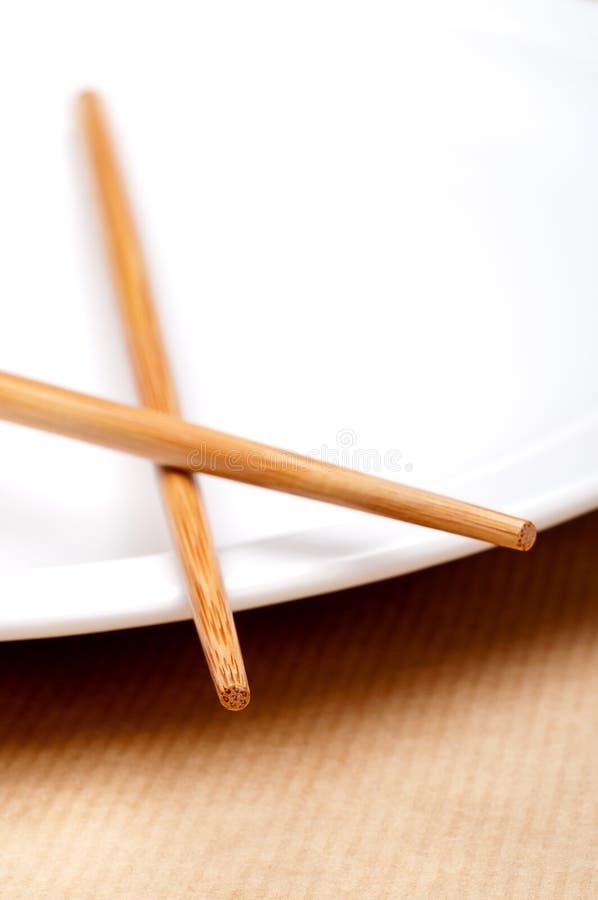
235	697
527	536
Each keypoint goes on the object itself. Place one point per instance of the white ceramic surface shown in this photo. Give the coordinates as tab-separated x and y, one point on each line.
368	231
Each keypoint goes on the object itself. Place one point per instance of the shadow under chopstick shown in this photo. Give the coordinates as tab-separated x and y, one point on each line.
397	648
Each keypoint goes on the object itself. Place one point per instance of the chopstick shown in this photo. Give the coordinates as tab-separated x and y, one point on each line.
170	441
180	495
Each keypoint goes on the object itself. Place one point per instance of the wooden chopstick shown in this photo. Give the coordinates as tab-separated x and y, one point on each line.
182	502
170	441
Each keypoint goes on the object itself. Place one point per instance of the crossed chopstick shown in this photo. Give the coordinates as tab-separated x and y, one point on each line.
156	431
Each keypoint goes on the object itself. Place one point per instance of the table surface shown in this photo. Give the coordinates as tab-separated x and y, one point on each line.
430	736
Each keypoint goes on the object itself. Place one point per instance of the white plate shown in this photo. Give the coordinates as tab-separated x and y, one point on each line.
367	233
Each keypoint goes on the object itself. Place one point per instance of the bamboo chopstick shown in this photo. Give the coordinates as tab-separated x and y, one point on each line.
180	495
170	441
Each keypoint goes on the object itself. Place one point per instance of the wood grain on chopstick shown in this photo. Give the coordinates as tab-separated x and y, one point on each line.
187	520
170	441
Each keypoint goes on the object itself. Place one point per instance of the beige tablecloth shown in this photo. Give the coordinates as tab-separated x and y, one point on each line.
432	736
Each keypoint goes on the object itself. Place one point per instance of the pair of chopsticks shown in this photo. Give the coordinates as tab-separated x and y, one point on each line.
158	433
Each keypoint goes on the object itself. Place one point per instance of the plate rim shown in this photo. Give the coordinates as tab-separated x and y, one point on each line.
147	590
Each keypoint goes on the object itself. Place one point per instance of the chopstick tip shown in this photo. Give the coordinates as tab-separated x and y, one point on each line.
235	697
527	536
87	100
